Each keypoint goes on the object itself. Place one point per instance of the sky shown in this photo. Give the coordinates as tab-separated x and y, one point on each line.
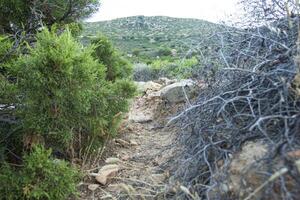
211	10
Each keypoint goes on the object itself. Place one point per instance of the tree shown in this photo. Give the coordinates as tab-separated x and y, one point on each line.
56	83
62	92
116	66
30	15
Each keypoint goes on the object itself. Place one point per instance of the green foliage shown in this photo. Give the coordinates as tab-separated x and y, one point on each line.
175	69
27	15
56	84
143	72
136	52
5	45
166	68
75	28
117	67
58	91
63	91
164	51
40	177
147	35
8	52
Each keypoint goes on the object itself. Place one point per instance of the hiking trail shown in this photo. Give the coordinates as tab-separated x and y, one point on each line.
133	160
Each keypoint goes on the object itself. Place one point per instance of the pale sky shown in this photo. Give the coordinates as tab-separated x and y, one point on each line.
211	10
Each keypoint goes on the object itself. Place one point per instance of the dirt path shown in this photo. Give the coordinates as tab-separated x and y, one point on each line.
141	147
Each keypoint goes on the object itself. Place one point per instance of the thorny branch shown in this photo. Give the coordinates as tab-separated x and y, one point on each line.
251	99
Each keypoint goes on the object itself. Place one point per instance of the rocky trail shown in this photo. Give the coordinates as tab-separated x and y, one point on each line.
131	167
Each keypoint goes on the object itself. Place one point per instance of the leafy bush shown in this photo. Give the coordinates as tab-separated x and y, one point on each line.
181	69
7	98
41	177
136	52
164	51
5	45
116	66
64	92
56	85
143	72
18	14
167	68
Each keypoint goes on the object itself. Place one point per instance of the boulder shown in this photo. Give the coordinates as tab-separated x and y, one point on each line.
244	165
242	176
106	173
144	87
165	81
174	93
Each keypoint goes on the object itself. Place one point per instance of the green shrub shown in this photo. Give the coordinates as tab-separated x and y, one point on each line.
8	99
8	52
116	66
143	72
182	68
136	52
56	82
40	177
5	45
164	51
63	93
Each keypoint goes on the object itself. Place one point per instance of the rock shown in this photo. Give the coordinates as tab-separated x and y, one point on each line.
125	157
250	153
140	118
106	173
93	187
294	154
122	142
144	87
154	95
158	178
242	174
133	143
112	160
165	81
174	93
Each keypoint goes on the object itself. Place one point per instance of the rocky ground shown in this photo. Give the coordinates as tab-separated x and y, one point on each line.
131	167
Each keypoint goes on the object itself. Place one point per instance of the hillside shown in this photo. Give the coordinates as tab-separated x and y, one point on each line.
152	36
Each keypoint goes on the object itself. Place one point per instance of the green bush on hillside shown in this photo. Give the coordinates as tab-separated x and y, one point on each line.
164	51
41	177
166	68
55	83
63	92
116	66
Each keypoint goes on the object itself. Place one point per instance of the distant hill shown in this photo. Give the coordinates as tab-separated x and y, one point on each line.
142	36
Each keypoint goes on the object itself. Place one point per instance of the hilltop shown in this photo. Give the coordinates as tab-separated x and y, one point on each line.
152	36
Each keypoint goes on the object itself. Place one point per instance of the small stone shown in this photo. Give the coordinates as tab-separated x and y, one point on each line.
122	142
224	188
133	143
106	173
158	178
140	118
93	187
294	154
125	157
112	160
